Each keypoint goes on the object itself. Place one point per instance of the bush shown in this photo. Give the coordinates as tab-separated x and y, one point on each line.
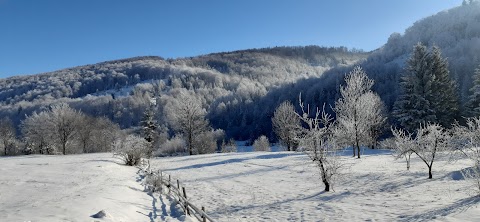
131	149
171	146
205	143
261	144
229	147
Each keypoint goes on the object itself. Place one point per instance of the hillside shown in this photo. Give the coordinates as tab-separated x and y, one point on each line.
121	89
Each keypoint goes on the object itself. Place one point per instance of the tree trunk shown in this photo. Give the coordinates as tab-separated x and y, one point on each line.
327	185
407	158
190	148
358	149
353	148
430	172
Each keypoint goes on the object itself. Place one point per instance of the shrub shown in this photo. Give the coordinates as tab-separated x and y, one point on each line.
261	144
131	149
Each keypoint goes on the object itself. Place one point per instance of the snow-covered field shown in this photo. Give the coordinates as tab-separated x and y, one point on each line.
282	186
75	187
261	186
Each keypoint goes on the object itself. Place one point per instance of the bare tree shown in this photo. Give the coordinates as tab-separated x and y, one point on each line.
466	141
188	118
38	132
428	142
285	123
66	124
358	111
402	143
319	144
7	134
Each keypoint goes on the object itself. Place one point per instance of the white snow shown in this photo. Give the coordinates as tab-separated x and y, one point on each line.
282	186
75	188
260	186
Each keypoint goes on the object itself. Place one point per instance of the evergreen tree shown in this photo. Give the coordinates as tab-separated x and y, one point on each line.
429	94
414	107
149	125
445	97
473	104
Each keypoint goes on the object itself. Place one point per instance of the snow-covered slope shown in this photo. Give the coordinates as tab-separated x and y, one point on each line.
282	186
261	186
74	188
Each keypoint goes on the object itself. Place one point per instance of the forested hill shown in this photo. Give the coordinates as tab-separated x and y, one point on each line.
122	89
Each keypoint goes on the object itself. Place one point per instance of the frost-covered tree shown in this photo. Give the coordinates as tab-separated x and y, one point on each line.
261	144
413	107
37	130
466	141
7	134
66	122
188	119
429	93
285	123
402	144
444	98
149	125
473	104
359	111
319	144
429	140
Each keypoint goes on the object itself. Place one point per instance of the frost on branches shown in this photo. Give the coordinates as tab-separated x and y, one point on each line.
467	143
430	139
317	142
131	149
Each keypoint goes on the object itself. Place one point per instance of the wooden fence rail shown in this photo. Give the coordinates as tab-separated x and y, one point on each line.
157	181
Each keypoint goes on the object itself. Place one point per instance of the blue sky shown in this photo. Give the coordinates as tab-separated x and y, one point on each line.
39	36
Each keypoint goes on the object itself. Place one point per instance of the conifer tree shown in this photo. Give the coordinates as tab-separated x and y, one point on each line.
414	107
429	94
149	125
445	97
473	104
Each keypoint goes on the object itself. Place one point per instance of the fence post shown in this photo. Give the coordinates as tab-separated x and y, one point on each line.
186	202
161	181
178	191
204	219
169	183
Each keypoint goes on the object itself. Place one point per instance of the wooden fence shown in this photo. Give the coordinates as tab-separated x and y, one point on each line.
158	181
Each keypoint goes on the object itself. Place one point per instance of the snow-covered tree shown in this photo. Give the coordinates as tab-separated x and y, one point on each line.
429	93
37	130
261	144
319	144
402	144
149	125
413	107
359	111
466	141
188	119
7	134
285	123
65	121
429	140
444	98
473	104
